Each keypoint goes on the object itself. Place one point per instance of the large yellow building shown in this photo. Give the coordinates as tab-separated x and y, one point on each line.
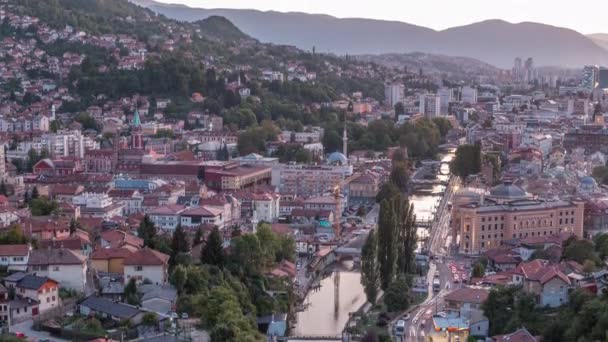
481	221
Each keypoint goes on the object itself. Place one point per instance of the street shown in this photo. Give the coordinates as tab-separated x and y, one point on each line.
420	322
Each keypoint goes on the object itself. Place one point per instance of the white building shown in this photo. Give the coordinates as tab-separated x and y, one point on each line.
97	205
266	207
469	95
446	95
430	105
14	257
393	94
67	267
147	264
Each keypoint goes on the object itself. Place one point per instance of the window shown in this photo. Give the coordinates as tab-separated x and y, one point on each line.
572	220
139	268
560	221
483	219
56	268
482	237
48	300
483	228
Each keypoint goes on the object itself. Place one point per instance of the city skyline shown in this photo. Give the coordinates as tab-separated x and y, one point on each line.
437	14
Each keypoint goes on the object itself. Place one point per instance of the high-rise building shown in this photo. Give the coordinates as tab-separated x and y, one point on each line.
603	78
393	94
468	95
430	105
517	68
446	95
590	77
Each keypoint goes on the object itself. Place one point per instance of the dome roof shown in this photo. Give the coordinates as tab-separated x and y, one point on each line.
337	158
467	195
508	190
589	181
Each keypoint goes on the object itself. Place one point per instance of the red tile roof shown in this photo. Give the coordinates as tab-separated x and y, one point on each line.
110	253
147	256
11	250
468	295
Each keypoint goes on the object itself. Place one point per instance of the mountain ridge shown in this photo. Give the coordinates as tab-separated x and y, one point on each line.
359	36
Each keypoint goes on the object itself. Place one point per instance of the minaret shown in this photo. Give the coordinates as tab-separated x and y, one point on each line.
52	113
345	141
136	133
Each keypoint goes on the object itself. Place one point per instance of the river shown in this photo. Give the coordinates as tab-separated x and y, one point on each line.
322	317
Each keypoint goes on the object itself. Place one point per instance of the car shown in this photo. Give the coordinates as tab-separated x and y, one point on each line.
19	334
400	328
299	266
441	314
184	315
297	282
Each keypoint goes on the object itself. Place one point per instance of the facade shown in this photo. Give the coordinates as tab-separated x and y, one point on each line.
485	222
67	267
305	180
469	95
147	264
110	259
393	94
14	257
363	188
98	205
430	105
446	95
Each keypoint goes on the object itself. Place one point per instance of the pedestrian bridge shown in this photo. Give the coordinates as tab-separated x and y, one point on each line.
352	248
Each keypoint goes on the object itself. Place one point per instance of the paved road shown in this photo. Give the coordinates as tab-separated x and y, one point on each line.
420	323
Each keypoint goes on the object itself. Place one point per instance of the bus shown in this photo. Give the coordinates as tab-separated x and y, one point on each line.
436	285
400	328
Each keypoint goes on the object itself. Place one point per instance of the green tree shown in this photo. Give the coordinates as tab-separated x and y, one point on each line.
198	237
149	319
399	109
580	250
179	244
42	206
147	232
247	254
35	193
213	251
406	236
370	274
387	248
387	190
399	176
396	296
478	270
130	292
467	161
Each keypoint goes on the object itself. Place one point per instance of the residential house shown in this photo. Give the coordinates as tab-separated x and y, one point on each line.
465	299
196	216
521	335
147	264
67	267
43	290
110	259
105	308
14	257
546	282
161	299
120	239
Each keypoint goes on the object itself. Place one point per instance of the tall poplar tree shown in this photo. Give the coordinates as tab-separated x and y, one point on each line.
370	274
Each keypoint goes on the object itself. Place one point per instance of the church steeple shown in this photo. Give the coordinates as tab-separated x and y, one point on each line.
137	141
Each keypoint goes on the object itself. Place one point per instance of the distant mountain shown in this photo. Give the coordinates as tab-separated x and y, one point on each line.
494	41
600	39
220	28
448	67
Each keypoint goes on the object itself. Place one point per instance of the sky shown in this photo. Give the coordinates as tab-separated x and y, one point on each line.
585	16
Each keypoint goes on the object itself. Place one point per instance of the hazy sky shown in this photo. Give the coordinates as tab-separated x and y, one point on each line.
586	16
